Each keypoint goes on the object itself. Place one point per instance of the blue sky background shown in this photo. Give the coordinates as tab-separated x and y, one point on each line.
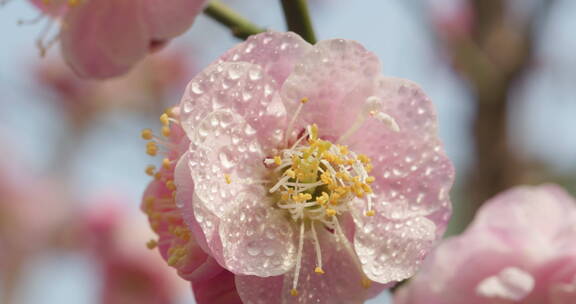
111	158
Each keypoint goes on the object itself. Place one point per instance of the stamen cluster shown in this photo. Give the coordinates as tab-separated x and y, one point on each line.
316	179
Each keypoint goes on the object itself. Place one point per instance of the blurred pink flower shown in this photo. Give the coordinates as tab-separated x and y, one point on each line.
519	249
106	38
146	88
303	171
453	20
130	272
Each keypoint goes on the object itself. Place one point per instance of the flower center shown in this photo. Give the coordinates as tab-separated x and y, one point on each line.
316	179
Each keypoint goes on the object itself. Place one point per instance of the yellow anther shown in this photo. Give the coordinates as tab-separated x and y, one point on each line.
169	112
370	179
364	159
172	260
358	192
277	160
324	145
323	199
343	175
166	131
290	173
302	197
368	168
149	200
314	132
147	134
150	170
366	282
304	100
330	212
151	244
228	179
166	164
157	176
152	151
366	188
73	3
294	292
328	156
326	178
319	270
343	149
341	190
370	213
170	185
284	196
164	119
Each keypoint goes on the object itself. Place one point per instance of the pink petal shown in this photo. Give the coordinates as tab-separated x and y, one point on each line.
207	239
257	239
225	159
341	282
391	244
527	215
275	52
104	38
209	225
336	76
218	290
184	198
259	290
560	287
410	166
169	18
452	273
243	88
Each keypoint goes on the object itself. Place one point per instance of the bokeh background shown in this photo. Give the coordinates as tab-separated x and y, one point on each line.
500	74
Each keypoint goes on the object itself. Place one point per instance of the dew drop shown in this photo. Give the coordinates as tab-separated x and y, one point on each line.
248	130
269	251
234	73
196	89
246	96
270	235
253	250
249	48
255	74
225	160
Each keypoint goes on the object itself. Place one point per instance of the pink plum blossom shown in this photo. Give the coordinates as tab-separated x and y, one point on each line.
211	283
106	38
302	171
519	249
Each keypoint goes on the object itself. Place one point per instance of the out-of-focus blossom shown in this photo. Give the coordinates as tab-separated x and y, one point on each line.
453	19
106	38
33	213
146	88
130	272
519	249
302	171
